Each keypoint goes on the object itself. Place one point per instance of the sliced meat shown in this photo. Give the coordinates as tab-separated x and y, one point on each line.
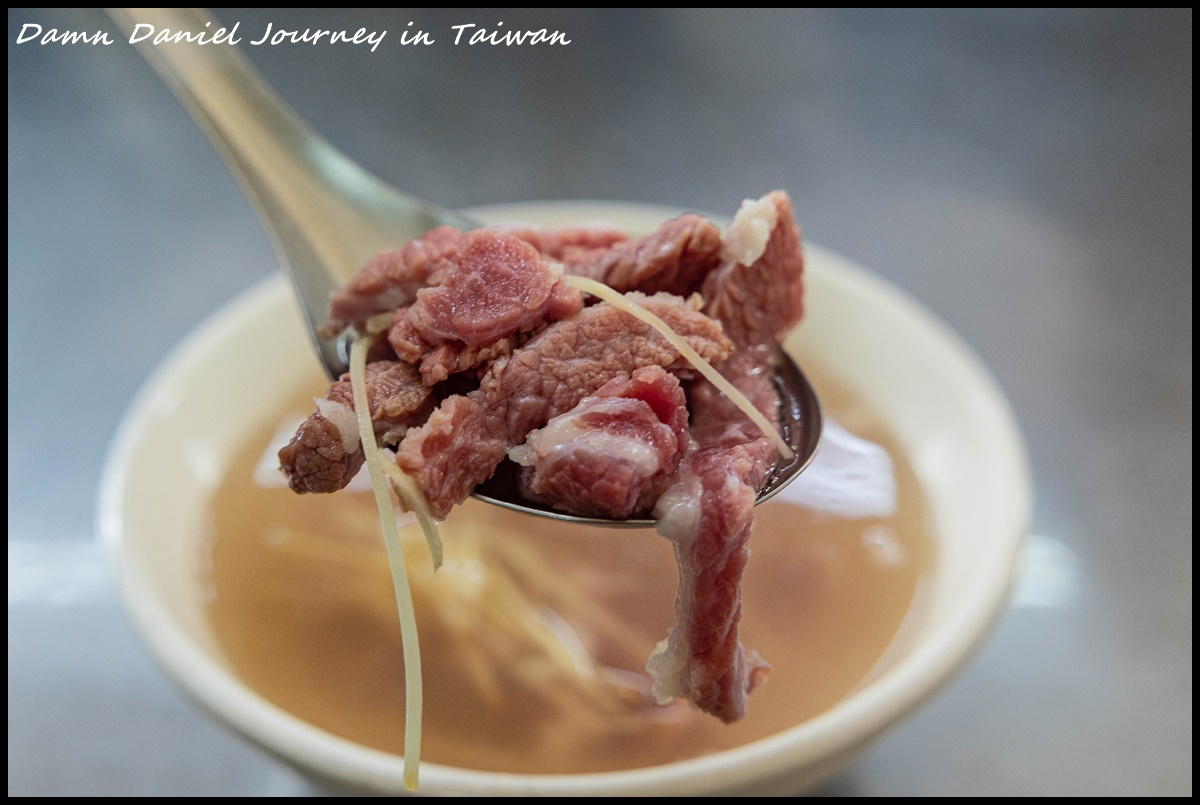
716	419
448	452
708	510
761	300
325	454
547	377
707	513
566	245
450	359
404	338
392	278
438	363
675	258
499	286
613	454
492	302
490	290
318	459
472	289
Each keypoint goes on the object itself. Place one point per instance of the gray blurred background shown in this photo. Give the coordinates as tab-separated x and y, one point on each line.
1028	176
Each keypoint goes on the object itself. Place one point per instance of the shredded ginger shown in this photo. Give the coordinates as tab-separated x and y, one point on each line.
705	368
413	690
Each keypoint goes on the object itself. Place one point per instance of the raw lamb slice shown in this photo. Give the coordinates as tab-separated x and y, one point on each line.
466	438
613	454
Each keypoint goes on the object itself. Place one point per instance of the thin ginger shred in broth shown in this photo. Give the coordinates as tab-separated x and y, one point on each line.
534	635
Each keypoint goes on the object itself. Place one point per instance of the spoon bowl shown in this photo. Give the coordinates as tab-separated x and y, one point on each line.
326	217
800	420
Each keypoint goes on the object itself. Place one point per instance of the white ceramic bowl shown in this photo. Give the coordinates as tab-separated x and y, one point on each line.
229	377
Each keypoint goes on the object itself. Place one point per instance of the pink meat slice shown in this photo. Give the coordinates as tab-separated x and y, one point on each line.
493	290
477	301
760	302
463	442
438	363
449	359
566	245
325	454
466	293
392	278
613	454
499	285
707	511
676	258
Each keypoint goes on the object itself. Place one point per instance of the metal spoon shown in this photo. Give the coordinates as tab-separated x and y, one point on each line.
800	420
327	216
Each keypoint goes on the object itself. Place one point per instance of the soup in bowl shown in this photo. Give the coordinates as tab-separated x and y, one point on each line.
871	579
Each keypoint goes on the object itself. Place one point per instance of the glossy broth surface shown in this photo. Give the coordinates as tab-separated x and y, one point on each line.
534	635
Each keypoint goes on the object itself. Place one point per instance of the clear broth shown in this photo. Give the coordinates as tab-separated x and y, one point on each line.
533	655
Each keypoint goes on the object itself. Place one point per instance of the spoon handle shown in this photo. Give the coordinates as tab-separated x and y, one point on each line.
325	215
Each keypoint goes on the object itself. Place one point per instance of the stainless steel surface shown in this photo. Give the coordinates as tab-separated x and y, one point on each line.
800	425
1027	175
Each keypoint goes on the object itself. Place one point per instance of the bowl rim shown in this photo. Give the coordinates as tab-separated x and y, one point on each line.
851	721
